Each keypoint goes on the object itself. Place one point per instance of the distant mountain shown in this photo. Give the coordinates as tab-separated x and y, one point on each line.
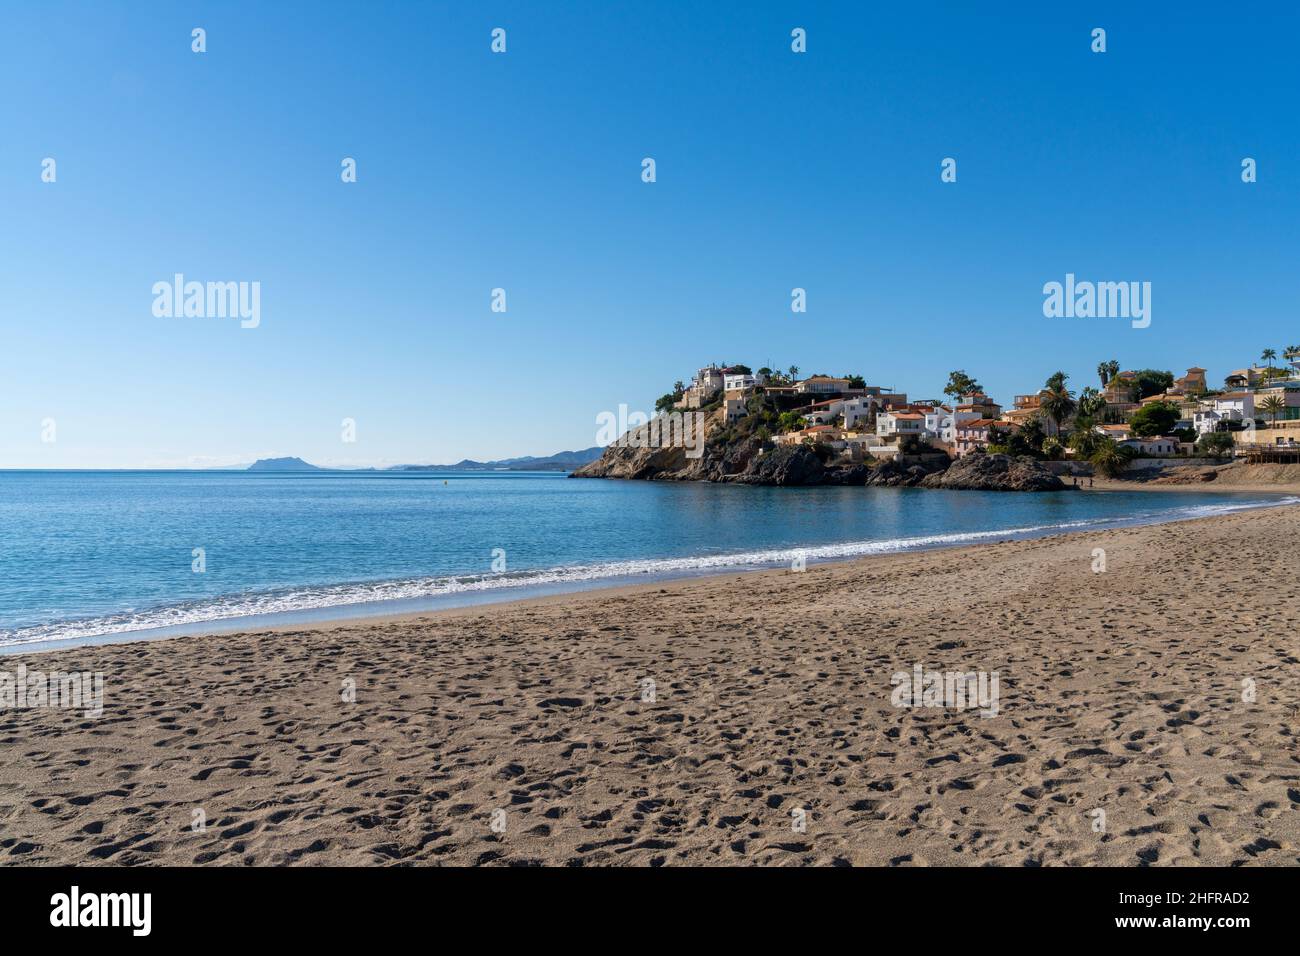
282	464
560	461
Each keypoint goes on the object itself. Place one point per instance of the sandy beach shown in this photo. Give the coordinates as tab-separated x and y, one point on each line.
1162	692
1267	479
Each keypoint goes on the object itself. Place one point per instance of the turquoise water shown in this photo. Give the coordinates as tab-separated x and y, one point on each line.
87	554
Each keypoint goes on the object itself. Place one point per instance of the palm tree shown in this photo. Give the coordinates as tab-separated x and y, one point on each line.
1113	368
1291	353
1268	355
1083	441
794	372
1109	458
1103	372
1058	403
1273	405
1091	403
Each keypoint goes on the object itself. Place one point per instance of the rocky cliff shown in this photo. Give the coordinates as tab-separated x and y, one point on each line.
742	462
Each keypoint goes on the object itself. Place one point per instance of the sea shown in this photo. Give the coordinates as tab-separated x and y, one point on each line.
90	556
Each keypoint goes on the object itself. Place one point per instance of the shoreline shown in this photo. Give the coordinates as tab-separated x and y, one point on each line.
771	693
358	613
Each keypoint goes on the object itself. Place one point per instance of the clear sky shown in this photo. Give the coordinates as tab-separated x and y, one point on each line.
522	171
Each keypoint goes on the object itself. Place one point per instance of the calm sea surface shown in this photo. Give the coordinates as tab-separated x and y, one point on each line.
87	554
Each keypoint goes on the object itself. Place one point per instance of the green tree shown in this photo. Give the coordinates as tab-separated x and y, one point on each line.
793	372
1084	440
959	384
1109	458
1092	404
1268	355
1152	381
1215	444
1029	439
789	422
1158	418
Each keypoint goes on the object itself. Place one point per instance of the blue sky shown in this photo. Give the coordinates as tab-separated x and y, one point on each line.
522	171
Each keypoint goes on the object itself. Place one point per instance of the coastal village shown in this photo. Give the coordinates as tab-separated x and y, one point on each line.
1121	421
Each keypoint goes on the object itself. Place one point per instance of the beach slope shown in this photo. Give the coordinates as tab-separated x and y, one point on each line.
1147	714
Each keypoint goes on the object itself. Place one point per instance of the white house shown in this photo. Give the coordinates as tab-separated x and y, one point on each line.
824	412
709	378
859	409
1153	446
941	424
1117	432
734	380
821	385
900	424
1232	407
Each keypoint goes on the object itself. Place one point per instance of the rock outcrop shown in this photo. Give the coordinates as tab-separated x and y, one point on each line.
748	462
981	472
744	462
892	474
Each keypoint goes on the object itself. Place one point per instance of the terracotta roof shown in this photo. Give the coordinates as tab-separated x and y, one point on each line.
979	423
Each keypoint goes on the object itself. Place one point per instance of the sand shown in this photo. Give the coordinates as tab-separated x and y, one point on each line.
771	738
1238	477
